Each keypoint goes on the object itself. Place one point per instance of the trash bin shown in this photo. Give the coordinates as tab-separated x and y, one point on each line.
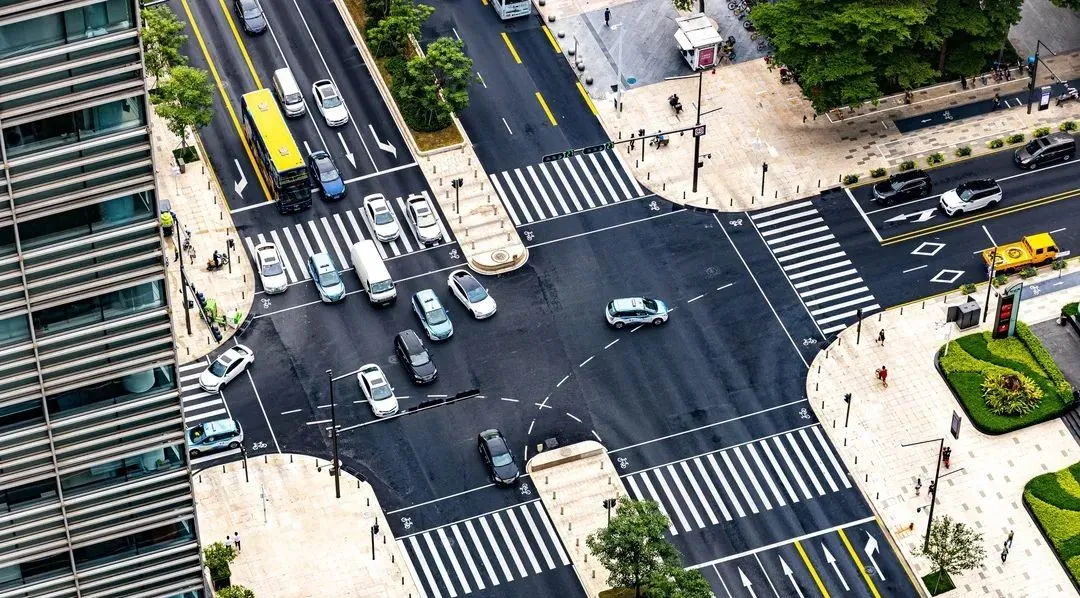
968	314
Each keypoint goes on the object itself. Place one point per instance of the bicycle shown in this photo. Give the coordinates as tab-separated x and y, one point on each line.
763	44
754	36
736	5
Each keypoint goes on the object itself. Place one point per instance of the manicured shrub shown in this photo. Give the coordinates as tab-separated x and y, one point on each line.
967	288
1069	125
851	179
1014	138
1000	279
963	150
1011	394
1070	309
907	165
935	158
1029	272
1041	132
878	172
1059	264
996	143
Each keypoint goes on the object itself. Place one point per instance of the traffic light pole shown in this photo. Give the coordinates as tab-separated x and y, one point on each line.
990	281
1034	73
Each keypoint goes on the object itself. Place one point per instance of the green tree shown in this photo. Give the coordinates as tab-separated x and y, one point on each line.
676	582
390	37
1073	4
162	37
688	5
217	557
953	547
234	592
452	70
420	93
633	546
186	101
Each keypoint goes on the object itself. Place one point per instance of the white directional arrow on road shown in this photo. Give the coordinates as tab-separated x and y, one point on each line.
922	216
348	154
240	185
746	582
386	147
832	561
791	576
870	548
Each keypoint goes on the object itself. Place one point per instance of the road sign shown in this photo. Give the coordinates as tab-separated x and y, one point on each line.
558	156
699	130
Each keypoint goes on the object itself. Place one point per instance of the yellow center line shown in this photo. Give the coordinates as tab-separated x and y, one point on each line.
551	38
240	43
588	100
855	557
513	52
225	98
810	567
547	111
485	2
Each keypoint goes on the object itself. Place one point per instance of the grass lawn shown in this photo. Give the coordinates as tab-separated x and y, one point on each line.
618	593
973	357
1054	500
938	584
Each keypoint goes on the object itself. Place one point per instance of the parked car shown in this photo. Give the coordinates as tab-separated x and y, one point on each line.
377	391
380	218
422	220
251	16
326	278
971	196
325	173
214	435
497	456
471	294
903	186
414	357
271	273
433	316
226	367
636	310
1056	147
330	104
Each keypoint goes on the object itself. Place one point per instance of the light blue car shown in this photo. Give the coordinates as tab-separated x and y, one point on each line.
432	315
326	278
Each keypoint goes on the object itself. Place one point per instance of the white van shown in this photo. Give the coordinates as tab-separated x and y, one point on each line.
372	273
288	93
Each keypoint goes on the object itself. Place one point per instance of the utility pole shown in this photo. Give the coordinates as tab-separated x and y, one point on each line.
337	462
992	268
934	485
697	138
1035	71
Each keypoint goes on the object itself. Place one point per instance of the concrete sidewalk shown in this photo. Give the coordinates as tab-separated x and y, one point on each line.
988	473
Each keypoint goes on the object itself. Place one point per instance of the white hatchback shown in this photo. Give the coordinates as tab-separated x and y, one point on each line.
377	391
381	218
329	102
226	367
271	272
422	220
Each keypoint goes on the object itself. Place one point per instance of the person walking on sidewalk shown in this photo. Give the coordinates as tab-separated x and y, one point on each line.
236	541
883	375
881	337
607	17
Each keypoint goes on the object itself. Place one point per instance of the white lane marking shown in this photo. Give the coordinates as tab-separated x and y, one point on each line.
439	564
696	298
545	520
791	467
712	489
469	529
582	364
781	209
495	549
608	346
865	218
992	241
412	569
918	268
820	532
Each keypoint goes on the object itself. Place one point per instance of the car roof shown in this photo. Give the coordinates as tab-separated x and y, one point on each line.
218	426
371	370
909	175
489	434
467	281
628	304
320	155
427	297
234	352
322	260
410	339
979	184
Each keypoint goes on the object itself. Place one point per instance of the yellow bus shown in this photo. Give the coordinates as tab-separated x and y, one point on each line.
276	151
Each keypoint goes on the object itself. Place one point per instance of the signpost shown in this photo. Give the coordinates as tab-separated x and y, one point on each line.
1008	307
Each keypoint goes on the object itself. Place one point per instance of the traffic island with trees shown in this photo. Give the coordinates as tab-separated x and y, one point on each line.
1053	499
1005	384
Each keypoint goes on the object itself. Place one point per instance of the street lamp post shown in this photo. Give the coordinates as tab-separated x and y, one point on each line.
183	277
374	530
990	281
697	138
934	485
333	436
847	416
1034	72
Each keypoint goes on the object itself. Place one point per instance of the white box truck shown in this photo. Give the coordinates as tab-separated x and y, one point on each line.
372	273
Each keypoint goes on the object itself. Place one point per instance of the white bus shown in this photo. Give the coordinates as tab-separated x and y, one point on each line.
512	9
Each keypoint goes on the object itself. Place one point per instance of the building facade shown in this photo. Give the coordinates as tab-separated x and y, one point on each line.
95	487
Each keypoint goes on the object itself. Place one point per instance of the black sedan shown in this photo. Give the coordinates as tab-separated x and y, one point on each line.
251	16
498	458
414	357
903	186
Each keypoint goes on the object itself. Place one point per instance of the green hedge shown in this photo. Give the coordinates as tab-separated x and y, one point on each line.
1054	501
1046	361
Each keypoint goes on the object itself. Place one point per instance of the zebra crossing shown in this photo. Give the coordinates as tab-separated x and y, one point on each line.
742	480
483	552
200	406
550	189
817	267
336	234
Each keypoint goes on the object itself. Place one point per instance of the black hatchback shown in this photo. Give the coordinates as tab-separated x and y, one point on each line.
903	186
251	16
498	458
414	357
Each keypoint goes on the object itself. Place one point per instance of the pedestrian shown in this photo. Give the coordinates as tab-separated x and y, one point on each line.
881	337
1004	555
930	489
176	255
963	81
946	455
883	375
1008	541
918	486
228	539
997	101
236	541
607	17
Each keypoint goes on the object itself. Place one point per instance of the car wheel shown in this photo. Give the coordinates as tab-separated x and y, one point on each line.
194	453
619	325
234	445
657	322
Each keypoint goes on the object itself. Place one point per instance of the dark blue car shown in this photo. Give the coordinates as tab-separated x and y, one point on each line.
325	173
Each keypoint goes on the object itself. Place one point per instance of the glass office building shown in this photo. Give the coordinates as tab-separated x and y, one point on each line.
95	488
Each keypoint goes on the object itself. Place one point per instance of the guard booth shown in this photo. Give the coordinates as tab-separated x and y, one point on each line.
698	40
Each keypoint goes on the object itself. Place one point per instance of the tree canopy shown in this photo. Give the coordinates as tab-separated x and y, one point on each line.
1073	4
162	37
185	100
390	36
953	547
633	547
848	51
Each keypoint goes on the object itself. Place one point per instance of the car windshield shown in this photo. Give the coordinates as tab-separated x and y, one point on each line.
501	459
650	304
250	9
476	293
424	217
331	101
965	193
436	316
419	358
327	172
382	286
384	217
329	279
272	269
381	392
218	368
897	185
1036	144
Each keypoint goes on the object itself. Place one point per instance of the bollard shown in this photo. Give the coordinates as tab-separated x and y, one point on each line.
867	479
823	404
637	163
796	189
561	511
901	310
207	185
570	526
815	386
684	194
577	542
434	167
731	201
369	501
221	215
601	466
879	317
290	458
664	187
845	441
856	459
776	193
648	176
546	482
819	183
924	305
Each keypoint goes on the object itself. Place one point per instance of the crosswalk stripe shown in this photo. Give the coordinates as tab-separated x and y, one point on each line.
638	191
528	192
301	261
701	496
781	210
817	459
806	233
207	416
412	568
682	492
787	218
342	261
300	234
814	260
191	367
521	534
283	256
540	189
798	244
795	226
603	178
848	314
615	174
316	236
360	236
806	252
655	497
712	489
819	270
214	456
806	465
446	238
753	479
439	564
495	550
727	487
836	296
566	185
251	249
766	474
554	188
738	482
483	554
583	167
424	567
346	239
546	521
509	545
843	305
830	287
404	210
579	185
674	504
505	200
779	471
198	406
539	540
517	196
448	550
832	458
794	471
197	395
833	329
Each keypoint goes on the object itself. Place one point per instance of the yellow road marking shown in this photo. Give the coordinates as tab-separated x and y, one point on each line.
547	111
225	99
855	557
484	1
980	217
513	52
240	43
551	38
810	567
588	100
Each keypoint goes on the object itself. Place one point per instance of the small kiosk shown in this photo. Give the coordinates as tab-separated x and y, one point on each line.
699	41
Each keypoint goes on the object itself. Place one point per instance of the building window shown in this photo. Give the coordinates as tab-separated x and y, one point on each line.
113	392
27	495
94	310
15	329
140	543
13	576
20	414
76	126
86	220
7	241
156	460
73	25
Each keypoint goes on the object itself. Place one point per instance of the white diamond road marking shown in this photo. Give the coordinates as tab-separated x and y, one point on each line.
928	249
947	276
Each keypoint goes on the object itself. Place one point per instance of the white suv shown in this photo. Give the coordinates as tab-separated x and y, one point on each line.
971	196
